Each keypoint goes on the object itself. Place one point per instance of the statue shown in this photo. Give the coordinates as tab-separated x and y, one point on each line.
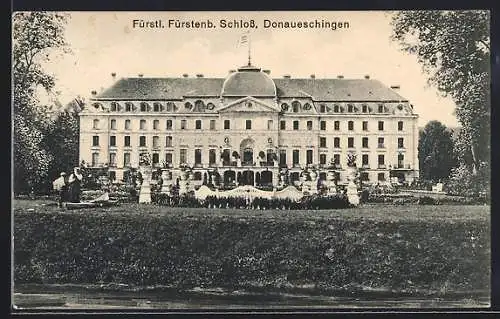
146	172
352	189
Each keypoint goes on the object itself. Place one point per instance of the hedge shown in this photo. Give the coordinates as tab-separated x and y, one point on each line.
223	251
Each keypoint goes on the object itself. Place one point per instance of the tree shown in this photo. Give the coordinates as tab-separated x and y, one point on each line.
435	152
454	49
36	35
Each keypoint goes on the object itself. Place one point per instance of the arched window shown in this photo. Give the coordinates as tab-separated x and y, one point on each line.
295	106
144	107
97	105
199	106
171	107
336	108
156	107
128	107
350	108
114	106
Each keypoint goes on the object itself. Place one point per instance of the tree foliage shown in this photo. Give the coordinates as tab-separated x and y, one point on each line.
436	154
36	36
454	49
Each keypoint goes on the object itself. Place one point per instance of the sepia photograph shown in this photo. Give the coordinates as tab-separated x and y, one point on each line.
252	160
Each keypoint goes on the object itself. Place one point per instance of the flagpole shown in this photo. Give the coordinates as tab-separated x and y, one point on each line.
249	48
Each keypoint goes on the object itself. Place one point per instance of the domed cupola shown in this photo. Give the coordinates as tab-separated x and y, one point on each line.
249	81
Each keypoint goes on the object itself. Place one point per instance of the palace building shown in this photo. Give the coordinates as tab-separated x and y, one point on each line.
250	127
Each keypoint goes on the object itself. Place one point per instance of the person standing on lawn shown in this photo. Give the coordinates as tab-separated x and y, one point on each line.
60	185
74	181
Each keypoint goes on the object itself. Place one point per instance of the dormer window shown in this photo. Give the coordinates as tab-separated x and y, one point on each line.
171	106
322	108
350	108
295	106
210	106
336	108
144	107
128	107
284	107
188	106
307	106
114	106
381	108
365	108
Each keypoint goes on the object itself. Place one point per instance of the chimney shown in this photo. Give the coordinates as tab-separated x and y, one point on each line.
267	71
313	76
199	75
185	75
140	75
94	92
286	76
395	87
113	75
232	71
340	76
367	77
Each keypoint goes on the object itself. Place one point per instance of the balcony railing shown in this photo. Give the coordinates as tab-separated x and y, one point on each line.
366	166
382	166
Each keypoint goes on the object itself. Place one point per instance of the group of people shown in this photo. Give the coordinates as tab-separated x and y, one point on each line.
68	188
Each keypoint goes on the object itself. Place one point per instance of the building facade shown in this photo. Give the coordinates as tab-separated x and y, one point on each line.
250	128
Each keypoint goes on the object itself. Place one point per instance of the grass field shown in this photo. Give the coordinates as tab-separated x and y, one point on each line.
377	212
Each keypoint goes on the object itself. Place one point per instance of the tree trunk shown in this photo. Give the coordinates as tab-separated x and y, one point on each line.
475	164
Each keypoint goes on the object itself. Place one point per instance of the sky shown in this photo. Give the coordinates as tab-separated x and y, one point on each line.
106	42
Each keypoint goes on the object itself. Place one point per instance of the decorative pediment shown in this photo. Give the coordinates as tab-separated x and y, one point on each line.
248	104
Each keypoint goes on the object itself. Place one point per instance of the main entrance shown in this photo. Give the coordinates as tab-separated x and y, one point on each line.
246	149
247	178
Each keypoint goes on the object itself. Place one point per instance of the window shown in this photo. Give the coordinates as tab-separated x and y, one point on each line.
270	124
380	142
295	107
156	141
350	142
282	157
128	107
296	157
169	125
322	108
127	124
336	159
156	107
212	125
198	124
114	106
156	125
168	158
364	177
168	141
309	157
126	159
113	124
365	125
112	159
227	124
322	125
381	160
380	125
350	125
183	124
212	155
142	141
401	160
283	125
381	108
365	142
95	140
295	125
365	108
400	125
126	140
364	160
381	177
322	159
226	155
336	142
156	158
112	140
336	108
269	157
142	124
95	124
309	125
336	125
95	159
182	155
144	107
322	142
401	142
248	124
350	108
197	156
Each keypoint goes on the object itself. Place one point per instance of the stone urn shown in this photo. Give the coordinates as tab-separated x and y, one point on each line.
352	188
166	178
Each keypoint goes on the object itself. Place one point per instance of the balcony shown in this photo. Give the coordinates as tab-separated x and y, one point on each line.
381	166
365	166
266	164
